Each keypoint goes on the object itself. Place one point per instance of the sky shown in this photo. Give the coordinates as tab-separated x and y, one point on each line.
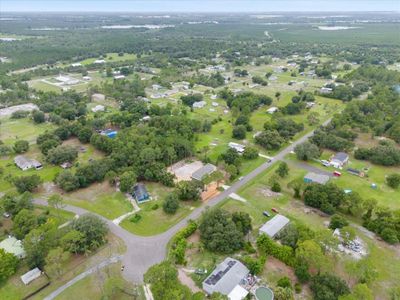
196	5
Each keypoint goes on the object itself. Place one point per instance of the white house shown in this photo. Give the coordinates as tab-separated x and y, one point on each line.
25	163
98	108
199	104
272	110
339	160
238	147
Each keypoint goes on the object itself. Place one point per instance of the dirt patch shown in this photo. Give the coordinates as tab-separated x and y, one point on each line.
186	280
194	238
184	169
266	192
91	192
210	191
276	266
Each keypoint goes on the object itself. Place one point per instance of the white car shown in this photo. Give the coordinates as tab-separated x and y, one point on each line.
325	163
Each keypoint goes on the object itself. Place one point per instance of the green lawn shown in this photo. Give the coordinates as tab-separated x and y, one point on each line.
111	57
101	199
155	221
12	130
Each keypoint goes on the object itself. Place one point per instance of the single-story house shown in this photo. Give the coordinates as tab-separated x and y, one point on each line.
25	163
339	160
272	110
98	97
199	104
325	90
140	193
204	171
98	108
76	65
238	147
13	246
225	279
274	226
316	178
31	275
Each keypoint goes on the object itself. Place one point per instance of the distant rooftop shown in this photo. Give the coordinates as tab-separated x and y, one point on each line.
273	226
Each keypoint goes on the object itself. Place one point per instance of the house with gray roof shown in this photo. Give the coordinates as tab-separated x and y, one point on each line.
25	163
203	172
226	276
317	178
274	226
13	246
339	160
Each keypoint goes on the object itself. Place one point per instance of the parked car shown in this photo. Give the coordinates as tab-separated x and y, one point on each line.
274	210
200	271
240	178
325	163
6	215
267	214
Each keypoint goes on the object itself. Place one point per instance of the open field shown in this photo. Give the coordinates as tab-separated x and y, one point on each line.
100	198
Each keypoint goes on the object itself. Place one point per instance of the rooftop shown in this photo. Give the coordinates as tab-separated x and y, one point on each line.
318	178
14	246
341	156
203	171
273	226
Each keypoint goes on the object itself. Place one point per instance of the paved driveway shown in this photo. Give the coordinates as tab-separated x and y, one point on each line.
143	252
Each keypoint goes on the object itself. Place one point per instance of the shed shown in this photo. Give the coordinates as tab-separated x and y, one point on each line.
274	226
98	97
203	171
272	110
356	172
98	108
226	276
31	275
140	193
13	246
317	178
199	104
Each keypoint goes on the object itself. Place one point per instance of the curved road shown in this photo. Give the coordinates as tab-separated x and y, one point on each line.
143	252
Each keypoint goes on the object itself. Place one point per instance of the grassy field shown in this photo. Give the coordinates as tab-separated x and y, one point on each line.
102	199
96	286
12	130
385	195
153	219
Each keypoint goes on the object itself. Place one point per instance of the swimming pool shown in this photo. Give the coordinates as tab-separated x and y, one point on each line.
264	293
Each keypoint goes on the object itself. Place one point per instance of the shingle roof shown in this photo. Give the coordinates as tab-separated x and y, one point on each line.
225	277
205	170
273	226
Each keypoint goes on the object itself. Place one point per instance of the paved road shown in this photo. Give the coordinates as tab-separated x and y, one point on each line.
143	252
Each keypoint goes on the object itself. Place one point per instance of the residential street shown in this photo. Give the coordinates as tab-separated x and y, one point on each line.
143	252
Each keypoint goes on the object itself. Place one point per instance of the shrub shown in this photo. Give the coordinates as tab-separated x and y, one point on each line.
135	218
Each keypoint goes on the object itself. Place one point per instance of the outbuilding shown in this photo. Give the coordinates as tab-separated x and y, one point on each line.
31	275
316	178
238	147
272	110
13	246
203	172
274	226
25	163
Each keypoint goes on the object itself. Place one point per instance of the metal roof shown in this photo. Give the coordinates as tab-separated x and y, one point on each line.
226	276
203	171
273	226
14	246
341	156
318	178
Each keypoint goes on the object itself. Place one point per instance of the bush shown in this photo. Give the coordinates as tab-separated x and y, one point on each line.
284	253
135	218
393	180
155	206
250	153
297	288
284	282
276	187
328	287
301	271
337	221
171	204
21	146
27	183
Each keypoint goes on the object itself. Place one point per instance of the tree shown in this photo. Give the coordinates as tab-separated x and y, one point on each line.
62	154
93	231
232	171
55	260
393	180
188	190
67	181
164	283
72	241
313	118
219	233
218	296
289	235
242	221
84	134
14	203
328	287
276	187
231	157
8	265
27	183
283	169
250	153
57	202
306	151
38	116
239	132
171	203
337	221
127	180
270	139
284	282
24	222
254	265
21	146
311	253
